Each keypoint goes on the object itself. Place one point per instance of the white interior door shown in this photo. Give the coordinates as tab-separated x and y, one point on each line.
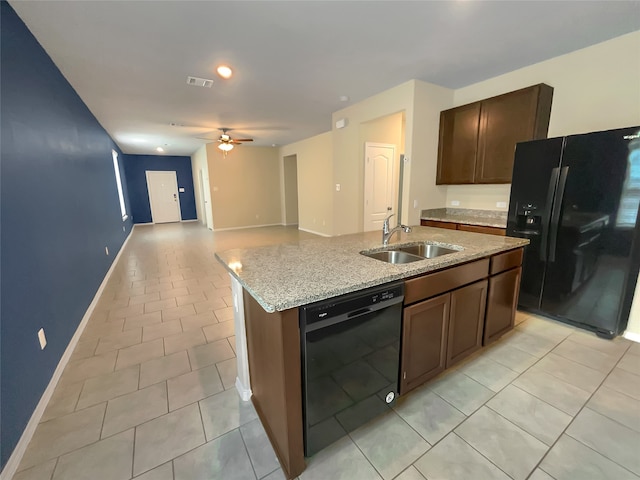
163	196
379	184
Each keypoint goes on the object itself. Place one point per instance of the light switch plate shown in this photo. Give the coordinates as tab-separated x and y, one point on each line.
501	204
455	203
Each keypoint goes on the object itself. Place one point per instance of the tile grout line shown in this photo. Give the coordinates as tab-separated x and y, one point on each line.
246	449
576	415
485	404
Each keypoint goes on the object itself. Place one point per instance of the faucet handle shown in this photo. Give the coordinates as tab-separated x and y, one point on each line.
385	224
406	228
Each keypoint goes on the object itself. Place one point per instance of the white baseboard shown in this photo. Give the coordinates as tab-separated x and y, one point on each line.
13	463
248	226
187	221
245	393
313	231
633	336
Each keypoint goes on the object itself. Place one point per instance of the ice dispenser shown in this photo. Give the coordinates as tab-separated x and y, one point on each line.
528	217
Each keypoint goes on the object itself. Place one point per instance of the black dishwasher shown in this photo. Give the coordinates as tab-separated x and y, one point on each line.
350	361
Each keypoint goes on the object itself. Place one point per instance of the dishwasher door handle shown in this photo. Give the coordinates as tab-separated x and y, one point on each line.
327	322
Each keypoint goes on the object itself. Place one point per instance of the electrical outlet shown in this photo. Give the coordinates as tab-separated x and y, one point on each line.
455	203
337	187
501	204
42	338
415	204
106	251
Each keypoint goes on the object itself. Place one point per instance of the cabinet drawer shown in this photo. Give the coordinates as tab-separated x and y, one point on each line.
505	261
435	223
433	284
480	229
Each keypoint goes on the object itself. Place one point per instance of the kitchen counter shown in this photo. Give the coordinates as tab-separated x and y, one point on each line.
484	218
284	276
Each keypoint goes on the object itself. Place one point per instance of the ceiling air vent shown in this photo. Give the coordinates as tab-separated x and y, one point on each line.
199	82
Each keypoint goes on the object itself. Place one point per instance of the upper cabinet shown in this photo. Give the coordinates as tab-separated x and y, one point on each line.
478	140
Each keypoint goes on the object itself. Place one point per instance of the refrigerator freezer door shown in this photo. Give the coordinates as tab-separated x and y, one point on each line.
589	250
535	176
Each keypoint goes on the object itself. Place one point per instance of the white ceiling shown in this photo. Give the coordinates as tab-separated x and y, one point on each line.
128	60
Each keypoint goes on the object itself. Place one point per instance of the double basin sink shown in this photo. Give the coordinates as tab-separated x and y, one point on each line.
409	253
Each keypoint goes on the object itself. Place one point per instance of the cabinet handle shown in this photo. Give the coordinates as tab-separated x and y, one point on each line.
404	376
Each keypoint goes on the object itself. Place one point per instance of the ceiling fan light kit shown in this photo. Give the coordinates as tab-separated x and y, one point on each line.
226	143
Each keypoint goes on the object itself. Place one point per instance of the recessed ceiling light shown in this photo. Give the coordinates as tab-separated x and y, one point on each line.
344	98
224	71
159	149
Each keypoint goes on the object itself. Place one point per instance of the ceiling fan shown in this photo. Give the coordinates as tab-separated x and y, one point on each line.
226	143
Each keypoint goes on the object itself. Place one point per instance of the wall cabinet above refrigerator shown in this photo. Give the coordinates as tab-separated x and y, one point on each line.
477	141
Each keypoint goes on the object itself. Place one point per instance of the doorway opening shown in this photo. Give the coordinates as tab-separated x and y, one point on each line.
291	190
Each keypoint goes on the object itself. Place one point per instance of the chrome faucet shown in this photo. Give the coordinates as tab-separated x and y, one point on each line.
388	233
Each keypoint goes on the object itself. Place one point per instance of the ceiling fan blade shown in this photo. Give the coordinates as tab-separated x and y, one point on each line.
243	139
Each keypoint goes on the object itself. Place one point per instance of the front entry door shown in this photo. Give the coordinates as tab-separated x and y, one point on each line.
163	196
379	185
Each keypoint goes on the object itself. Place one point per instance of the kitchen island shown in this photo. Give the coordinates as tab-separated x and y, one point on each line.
278	279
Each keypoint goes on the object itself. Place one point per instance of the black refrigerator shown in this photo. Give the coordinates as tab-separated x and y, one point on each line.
576	199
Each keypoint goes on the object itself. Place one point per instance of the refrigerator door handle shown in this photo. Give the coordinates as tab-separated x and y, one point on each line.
555	214
553	183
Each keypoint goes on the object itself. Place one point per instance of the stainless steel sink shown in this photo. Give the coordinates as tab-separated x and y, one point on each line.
393	256
409	253
427	250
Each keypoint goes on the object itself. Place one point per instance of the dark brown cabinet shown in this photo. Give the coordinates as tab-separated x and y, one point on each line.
437	224
504	284
443	321
466	321
477	141
441	331
452	313
464	226
424	341
458	144
501	304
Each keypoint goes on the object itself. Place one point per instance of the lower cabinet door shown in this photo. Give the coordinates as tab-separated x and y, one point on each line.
424	341
501	304
466	321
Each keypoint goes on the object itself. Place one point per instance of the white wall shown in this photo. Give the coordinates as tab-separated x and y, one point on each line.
429	101
633	327
421	103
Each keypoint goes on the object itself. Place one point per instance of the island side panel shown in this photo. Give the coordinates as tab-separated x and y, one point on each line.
273	341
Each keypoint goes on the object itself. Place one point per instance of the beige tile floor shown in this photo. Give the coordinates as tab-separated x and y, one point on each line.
149	392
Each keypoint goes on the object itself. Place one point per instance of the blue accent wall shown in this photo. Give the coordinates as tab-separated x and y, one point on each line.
59	209
135	167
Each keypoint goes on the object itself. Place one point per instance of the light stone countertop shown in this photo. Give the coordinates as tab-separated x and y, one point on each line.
483	218
288	275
